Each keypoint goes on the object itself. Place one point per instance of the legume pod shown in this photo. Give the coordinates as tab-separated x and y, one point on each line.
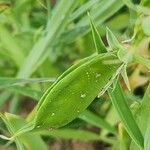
73	92
62	76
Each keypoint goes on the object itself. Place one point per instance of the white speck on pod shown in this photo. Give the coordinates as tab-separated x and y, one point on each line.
98	75
50	129
83	95
88	74
52	114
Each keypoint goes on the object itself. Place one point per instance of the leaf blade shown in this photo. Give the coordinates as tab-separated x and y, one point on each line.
126	116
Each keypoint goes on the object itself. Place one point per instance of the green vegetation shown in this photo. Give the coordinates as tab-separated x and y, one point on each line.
75	70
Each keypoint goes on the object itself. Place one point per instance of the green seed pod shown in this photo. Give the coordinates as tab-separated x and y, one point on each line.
62	76
73	92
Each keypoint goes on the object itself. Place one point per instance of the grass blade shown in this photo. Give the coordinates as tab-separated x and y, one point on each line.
7	82
100	14
84	8
54	28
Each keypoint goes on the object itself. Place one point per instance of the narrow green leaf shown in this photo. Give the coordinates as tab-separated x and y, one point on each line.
99	45
126	116
112	40
82	9
7	82
103	11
